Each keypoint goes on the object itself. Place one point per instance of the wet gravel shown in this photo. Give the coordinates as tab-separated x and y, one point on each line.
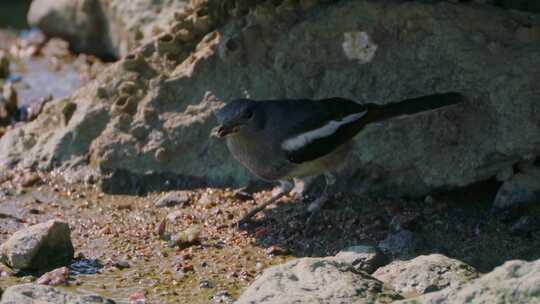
125	233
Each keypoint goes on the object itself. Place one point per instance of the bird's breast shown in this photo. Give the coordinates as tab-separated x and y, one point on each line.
259	157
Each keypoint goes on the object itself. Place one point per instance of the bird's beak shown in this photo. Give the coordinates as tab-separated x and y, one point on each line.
223	130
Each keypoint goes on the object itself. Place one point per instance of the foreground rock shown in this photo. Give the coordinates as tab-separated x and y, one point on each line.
316	280
33	294
513	282
151	114
40	247
102	27
426	273
362	258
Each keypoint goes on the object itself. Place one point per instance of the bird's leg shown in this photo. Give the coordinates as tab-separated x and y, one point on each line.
300	187
317	204
284	189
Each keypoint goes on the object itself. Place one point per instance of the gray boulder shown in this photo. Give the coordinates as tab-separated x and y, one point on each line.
40	247
151	113
103	27
34	293
426	273
514	282
316	280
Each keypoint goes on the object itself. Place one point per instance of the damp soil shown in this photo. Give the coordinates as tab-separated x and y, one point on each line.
124	230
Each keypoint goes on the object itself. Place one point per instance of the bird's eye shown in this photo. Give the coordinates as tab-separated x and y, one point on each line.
248	114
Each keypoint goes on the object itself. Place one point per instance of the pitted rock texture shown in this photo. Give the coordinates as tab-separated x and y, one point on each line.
152	112
513	282
316	280
40	247
426	273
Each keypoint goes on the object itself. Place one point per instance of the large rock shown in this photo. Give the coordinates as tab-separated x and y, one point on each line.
39	247
426	273
149	116
104	27
316	280
34	294
513	282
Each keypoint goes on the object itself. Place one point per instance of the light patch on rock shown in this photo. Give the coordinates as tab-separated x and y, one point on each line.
359	46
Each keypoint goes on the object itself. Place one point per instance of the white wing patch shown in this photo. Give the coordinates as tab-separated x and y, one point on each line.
301	140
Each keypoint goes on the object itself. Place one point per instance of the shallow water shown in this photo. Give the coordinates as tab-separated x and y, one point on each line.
38	79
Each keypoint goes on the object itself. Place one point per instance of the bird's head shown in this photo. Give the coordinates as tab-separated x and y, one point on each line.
237	117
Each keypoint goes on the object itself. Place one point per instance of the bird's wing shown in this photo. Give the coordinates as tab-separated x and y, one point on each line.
322	127
326	124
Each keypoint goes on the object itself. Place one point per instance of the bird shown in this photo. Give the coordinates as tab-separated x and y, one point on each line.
290	140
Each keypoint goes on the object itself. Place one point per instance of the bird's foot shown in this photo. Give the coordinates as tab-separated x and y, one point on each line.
310	226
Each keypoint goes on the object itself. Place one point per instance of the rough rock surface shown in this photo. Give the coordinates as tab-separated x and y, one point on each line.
34	293
39	247
316	280
365	258
151	112
426	273
104	27
513	282
519	191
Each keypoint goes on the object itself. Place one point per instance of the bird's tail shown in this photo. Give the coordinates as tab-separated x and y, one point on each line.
413	106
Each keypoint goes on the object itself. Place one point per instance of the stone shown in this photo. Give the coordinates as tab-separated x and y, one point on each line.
172	199
403	243
40	247
513	282
35	293
407	156
55	277
521	190
364	258
425	273
316	280
103	28
186	238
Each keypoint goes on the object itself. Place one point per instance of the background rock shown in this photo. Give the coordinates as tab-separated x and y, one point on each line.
152	112
513	282
315	280
521	190
33	293
39	247
101	27
426	273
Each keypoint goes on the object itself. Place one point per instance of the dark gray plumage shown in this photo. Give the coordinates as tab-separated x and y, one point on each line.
282	140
